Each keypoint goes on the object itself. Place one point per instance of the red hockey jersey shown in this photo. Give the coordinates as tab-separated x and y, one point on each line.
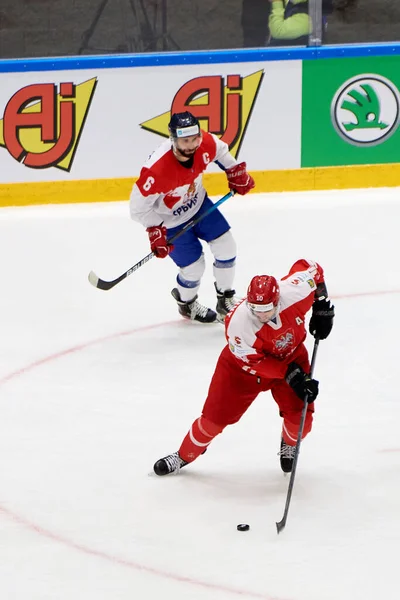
266	349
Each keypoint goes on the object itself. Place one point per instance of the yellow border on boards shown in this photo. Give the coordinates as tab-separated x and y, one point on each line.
290	180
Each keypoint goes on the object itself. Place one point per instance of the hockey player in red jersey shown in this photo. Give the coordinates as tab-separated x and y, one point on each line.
265	351
170	192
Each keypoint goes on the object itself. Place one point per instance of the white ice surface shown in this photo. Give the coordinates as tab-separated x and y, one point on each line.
95	386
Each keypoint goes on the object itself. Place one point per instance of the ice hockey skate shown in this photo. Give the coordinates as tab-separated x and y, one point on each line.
226	301
286	456
194	310
172	463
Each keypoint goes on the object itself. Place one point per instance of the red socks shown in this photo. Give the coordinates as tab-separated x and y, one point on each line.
200	435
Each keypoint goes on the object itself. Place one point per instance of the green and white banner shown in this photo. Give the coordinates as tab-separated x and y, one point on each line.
350	111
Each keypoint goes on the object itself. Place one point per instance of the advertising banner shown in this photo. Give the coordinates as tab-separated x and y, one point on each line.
351	111
88	124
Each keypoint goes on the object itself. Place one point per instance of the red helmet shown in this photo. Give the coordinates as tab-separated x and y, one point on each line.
263	293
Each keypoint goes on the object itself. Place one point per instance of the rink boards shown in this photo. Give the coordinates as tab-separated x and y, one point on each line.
79	129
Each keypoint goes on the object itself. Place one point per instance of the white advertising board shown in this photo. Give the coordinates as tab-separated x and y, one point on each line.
95	124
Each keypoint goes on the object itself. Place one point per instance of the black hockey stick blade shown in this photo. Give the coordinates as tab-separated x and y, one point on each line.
102	284
281	524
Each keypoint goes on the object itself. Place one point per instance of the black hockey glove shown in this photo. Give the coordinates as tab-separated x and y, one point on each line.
321	321
301	383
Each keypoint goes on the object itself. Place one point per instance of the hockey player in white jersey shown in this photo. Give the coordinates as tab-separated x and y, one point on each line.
170	192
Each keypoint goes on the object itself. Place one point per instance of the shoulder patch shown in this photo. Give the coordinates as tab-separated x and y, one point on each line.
298	278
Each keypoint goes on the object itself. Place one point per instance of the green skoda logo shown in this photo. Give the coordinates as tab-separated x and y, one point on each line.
366	109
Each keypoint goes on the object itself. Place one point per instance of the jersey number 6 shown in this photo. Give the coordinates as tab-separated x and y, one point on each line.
148	184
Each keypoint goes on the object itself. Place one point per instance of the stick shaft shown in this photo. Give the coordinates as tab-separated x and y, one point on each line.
281	524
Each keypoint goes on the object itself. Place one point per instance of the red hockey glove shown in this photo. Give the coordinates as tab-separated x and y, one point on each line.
239	180
158	241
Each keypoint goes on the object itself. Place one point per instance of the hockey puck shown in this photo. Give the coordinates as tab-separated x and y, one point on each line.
243	527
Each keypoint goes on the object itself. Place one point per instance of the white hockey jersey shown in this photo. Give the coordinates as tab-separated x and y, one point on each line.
168	192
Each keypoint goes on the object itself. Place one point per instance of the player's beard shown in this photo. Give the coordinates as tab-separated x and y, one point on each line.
184	153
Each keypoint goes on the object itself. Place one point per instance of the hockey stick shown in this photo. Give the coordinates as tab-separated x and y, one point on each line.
282	523
107	285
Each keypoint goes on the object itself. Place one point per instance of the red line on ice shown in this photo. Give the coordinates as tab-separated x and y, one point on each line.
55	537
103	555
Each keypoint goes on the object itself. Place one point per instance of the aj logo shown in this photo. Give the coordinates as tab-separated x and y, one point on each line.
223	106
365	110
41	128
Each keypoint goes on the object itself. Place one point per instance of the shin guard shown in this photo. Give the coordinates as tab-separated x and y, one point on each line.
200	435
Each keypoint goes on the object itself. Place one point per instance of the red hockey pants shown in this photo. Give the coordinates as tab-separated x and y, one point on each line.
230	394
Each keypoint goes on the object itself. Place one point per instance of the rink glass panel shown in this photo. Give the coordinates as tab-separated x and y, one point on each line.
46	28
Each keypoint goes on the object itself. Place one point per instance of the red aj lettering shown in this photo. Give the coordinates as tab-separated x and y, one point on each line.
55	119
223	110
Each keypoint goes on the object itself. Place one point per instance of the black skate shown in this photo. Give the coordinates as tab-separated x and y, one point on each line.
225	303
286	456
194	310
172	463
